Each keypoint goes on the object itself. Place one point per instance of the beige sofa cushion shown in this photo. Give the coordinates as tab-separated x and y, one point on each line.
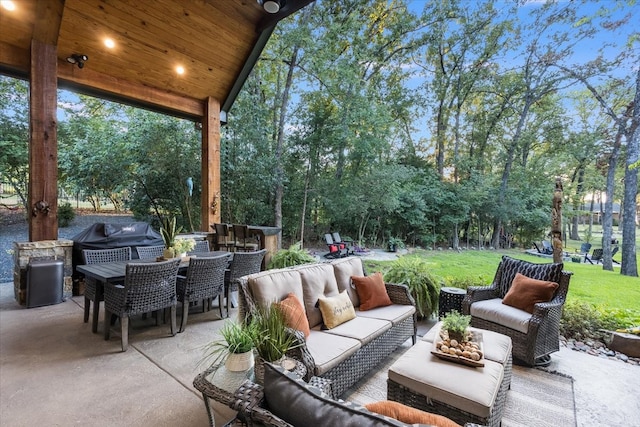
394	313
317	280
496	347
472	390
362	329
343	269
329	350
494	311
274	285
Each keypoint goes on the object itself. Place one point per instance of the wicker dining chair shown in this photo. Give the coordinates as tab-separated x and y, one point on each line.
94	289
201	246
147	287
204	281
149	252
243	263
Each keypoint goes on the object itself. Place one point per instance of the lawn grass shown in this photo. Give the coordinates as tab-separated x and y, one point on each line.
590	283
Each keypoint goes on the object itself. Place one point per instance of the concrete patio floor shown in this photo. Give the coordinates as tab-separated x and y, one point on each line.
54	371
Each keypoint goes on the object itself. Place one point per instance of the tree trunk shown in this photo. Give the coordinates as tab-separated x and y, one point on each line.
629	265
556	222
607	222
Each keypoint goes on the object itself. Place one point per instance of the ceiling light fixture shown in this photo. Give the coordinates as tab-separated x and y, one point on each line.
180	69
8	4
109	43
272	6
77	59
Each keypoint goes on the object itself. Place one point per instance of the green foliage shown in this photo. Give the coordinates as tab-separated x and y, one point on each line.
586	321
273	339
66	214
456	322
169	231
295	255
416	274
465	282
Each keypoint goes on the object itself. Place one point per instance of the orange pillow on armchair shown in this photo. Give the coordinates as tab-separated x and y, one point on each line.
526	292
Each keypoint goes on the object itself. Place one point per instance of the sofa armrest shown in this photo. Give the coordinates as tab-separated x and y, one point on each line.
301	353
477	293
399	294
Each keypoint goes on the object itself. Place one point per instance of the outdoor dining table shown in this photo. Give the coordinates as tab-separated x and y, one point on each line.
115	271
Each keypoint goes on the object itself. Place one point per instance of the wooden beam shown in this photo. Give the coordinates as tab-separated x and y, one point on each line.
105	86
210	206
46	28
43	143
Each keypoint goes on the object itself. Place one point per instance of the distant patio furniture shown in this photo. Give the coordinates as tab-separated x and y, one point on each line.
242	264
204	281
584	248
598	254
223	241
547	249
347	245
147	287
149	252
535	335
244	238
94	289
335	249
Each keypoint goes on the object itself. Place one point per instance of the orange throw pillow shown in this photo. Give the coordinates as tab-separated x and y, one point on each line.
409	415
294	315
371	291
525	292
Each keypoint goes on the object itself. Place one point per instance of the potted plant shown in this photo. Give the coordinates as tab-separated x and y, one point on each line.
424	286
456	325
576	258
295	255
236	346
272	339
168	231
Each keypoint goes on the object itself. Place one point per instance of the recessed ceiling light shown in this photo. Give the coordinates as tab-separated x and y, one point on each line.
180	69
109	43
8	4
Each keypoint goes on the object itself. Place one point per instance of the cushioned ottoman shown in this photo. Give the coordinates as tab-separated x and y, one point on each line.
462	393
497	347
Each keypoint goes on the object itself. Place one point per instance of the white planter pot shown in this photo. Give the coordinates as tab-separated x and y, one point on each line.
239	362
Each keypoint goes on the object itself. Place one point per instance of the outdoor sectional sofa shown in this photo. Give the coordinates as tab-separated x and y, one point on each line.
347	352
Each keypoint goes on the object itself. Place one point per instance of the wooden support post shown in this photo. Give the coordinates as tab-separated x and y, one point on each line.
210	206
43	143
556	222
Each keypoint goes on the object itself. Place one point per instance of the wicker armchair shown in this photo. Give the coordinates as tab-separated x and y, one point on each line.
204	281
147	287
94	289
149	252
542	335
243	263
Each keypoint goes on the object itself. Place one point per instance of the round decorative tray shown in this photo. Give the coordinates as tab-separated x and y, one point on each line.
473	342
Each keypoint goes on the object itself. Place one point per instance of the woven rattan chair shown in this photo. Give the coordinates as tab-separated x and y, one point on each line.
542	336
243	263
201	246
93	289
149	252
204	281
147	287
243	240
223	241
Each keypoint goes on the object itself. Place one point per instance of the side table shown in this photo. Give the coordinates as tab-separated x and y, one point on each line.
220	384
450	299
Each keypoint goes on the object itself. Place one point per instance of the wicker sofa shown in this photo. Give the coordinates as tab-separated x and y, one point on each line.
346	353
534	335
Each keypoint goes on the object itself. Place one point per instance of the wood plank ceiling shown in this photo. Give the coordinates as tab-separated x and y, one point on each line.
216	42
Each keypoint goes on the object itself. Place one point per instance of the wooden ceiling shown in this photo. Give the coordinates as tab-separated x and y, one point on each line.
216	42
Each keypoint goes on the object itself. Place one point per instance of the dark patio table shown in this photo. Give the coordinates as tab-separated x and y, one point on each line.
115	271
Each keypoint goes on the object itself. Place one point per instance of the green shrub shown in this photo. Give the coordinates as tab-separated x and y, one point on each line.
66	214
424	286
466	282
295	255
586	321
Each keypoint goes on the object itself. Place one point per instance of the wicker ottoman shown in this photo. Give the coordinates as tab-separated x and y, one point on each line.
462	393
